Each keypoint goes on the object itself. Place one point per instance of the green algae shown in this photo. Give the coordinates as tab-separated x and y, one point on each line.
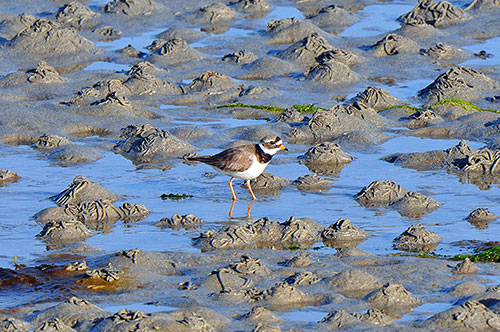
303	108
175	197
489	255
406	107
468	106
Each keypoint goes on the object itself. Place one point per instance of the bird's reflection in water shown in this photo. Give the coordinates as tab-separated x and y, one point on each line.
249	208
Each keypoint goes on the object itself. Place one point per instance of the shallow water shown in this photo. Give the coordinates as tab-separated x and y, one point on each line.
377	19
211	199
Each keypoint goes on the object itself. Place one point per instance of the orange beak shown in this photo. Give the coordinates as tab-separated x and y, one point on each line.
282	147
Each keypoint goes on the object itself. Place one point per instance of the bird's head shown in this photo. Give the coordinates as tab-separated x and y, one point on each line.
272	144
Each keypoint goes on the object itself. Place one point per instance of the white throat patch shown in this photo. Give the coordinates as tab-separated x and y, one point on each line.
272	151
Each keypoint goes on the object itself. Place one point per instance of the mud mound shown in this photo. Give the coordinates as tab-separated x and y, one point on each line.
187	221
129	7
338	122
137	261
269	183
73	313
93	213
212	82
107	33
438	14
340	319
262	233
480	217
173	51
442	51
83	190
458	82
469	316
7	177
242	57
42	74
355	283
479	166
331	73
343	234
281	296
417	238
393	44
187	34
142	80
184	320
333	16
325	158
414	205
73	154
58	234
216	13
44	37
374	98
144	144
312	182
266	68
76	15
325	153
291	115
100	90
388	193
8	323
291	30
465	267
11	25
393	298
252	6
305	51
380	193
422	119
338	55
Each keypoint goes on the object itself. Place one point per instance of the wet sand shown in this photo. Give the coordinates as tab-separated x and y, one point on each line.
390	113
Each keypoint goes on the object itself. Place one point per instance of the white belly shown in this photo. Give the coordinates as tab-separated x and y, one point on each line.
251	173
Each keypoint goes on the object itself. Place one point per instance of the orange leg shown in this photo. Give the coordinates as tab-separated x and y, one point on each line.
232	190
231	209
250	190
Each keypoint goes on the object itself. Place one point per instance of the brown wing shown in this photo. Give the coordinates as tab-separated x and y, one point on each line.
236	159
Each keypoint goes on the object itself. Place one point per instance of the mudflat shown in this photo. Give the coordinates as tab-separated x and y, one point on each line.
382	216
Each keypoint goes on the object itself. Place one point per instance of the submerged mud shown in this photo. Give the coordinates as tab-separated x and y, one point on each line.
107	97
